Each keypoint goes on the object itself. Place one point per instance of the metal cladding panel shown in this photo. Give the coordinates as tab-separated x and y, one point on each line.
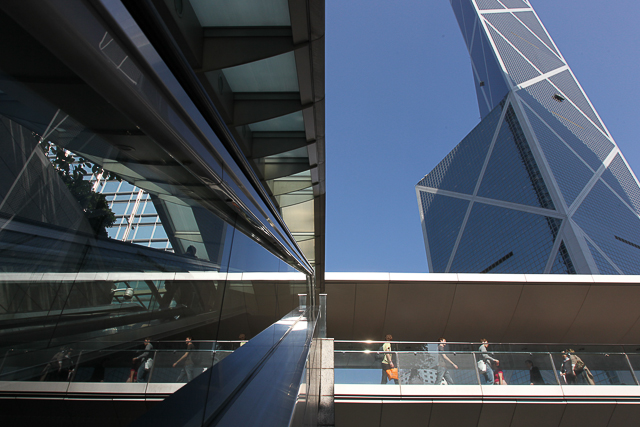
442	222
619	178
612	226
512	174
570	173
459	171
604	267
500	240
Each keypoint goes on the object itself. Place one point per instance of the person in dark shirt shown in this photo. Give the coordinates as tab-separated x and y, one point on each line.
486	359
535	377
443	372
187	368
143	357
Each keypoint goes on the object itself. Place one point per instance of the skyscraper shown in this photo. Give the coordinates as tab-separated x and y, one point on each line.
539	186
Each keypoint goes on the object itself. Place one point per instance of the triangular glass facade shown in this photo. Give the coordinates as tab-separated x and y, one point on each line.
570	172
604	267
443	235
562	263
523	240
512	174
459	171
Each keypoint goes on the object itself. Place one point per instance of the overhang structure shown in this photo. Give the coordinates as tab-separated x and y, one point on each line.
261	64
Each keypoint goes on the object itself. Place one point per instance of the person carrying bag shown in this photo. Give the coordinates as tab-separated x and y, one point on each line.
389	368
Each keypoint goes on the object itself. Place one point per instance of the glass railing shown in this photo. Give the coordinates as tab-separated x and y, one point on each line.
170	363
428	364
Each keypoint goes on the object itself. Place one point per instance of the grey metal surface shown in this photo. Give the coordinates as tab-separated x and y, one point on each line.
486	406
232	392
533	308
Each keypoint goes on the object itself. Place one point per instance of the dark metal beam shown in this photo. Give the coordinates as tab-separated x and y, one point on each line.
229	47
279	170
266	144
260	106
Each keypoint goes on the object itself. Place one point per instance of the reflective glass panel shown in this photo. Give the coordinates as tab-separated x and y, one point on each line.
569	171
530	20
512	173
443	218
500	240
593	369
619	177
525	42
459	171
612	226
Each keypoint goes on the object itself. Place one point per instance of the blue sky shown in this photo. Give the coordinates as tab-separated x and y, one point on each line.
400	96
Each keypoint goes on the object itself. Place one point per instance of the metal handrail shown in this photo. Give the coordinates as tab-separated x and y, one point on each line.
623	362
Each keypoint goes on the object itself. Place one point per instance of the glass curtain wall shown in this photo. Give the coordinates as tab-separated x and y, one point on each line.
66	279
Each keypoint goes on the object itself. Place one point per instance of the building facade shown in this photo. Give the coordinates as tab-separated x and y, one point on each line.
155	155
539	186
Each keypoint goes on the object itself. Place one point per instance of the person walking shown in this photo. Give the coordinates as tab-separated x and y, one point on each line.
187	368
566	369
387	360
443	372
535	377
143	358
582	374
485	361
498	374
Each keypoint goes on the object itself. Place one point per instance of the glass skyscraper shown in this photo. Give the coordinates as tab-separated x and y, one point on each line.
539	186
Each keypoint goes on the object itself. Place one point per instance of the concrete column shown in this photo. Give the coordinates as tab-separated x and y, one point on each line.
322	323
326	409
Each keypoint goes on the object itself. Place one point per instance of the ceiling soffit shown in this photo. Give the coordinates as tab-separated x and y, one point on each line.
261	63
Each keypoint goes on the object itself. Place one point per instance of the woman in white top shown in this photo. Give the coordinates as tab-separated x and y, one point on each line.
387	360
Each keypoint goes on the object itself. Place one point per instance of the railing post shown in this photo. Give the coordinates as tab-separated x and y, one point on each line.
302	302
72	374
153	365
475	368
633	373
322	323
555	371
3	359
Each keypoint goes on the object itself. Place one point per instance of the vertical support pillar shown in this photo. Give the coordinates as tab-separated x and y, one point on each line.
326	408
322	322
